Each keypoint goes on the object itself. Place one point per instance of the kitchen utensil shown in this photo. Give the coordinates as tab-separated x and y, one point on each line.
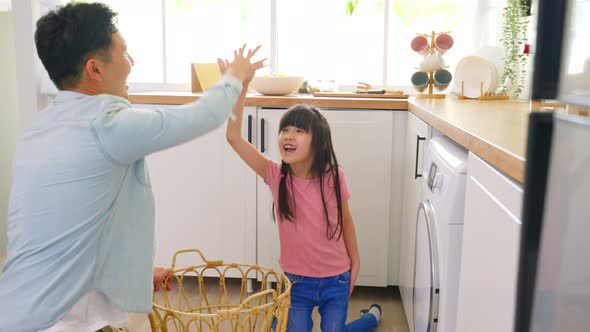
276	85
493	54
420	44
420	80
362	87
372	91
386	95
368	88
441	79
473	71
204	75
443	42
432	62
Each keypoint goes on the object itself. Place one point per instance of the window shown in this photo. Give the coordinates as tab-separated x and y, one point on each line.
320	40
409	17
143	33
203	30
342	40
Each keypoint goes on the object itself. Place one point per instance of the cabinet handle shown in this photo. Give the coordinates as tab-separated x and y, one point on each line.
418	139
250	129
262	135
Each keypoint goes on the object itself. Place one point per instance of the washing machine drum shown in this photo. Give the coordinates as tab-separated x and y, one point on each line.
426	271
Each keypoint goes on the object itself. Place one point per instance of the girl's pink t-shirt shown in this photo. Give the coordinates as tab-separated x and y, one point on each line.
305	247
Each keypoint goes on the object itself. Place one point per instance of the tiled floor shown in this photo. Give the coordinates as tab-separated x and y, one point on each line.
392	319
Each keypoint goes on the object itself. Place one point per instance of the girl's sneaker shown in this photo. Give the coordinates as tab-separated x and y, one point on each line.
374	309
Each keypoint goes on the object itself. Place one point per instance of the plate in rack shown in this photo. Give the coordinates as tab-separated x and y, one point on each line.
474	70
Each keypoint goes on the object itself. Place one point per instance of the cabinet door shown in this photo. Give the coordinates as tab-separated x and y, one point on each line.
398	147
268	250
362	141
202	190
489	265
417	137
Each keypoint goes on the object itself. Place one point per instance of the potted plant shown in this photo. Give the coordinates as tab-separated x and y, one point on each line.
514	38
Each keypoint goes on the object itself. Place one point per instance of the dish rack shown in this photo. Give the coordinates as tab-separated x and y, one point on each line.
200	298
482	95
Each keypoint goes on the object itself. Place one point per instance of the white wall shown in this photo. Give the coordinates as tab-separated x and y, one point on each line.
21	76
29	69
9	117
5	5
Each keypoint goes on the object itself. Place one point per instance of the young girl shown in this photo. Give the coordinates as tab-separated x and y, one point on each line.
319	251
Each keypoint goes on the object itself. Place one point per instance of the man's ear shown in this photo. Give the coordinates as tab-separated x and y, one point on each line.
93	69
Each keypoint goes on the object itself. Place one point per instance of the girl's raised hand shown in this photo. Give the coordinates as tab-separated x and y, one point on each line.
242	66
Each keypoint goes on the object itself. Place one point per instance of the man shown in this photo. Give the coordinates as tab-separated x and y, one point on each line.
81	211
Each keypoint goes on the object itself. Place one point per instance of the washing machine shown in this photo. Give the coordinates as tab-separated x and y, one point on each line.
439	232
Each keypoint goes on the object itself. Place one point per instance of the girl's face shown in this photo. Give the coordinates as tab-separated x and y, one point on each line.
295	146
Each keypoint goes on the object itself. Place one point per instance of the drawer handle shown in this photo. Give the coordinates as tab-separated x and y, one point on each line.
250	129
418	139
262	135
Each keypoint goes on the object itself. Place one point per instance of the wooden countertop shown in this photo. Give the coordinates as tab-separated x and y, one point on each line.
496	131
177	98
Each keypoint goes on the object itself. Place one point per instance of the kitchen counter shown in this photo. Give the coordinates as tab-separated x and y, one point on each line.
495	131
177	98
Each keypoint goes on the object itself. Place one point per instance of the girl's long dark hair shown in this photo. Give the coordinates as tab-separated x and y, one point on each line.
324	163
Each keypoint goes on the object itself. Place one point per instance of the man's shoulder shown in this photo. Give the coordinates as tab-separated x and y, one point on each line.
111	102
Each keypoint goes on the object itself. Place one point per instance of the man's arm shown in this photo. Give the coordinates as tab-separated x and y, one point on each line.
127	134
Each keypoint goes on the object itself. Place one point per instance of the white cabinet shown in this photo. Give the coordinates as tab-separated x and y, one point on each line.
203	190
205	198
491	236
398	148
362	141
363	144
268	249
418	134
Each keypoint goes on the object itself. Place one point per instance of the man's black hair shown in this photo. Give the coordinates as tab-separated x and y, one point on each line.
67	36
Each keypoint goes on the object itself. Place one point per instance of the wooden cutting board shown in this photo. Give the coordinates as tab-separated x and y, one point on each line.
203	76
360	95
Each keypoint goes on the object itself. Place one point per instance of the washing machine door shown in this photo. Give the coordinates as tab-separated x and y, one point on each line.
425	290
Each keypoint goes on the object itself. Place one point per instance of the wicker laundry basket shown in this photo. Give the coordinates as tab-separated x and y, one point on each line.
213	296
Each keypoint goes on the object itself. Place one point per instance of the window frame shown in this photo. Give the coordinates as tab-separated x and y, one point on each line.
165	86
274	58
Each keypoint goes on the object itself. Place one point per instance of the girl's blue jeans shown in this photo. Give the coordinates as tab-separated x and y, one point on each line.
331	296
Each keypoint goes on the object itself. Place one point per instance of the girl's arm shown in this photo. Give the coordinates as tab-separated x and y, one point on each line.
256	160
349	234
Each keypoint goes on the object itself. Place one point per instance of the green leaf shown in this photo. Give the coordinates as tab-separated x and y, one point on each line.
350	6
514	31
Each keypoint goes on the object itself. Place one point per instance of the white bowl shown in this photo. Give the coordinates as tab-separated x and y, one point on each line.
276	85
